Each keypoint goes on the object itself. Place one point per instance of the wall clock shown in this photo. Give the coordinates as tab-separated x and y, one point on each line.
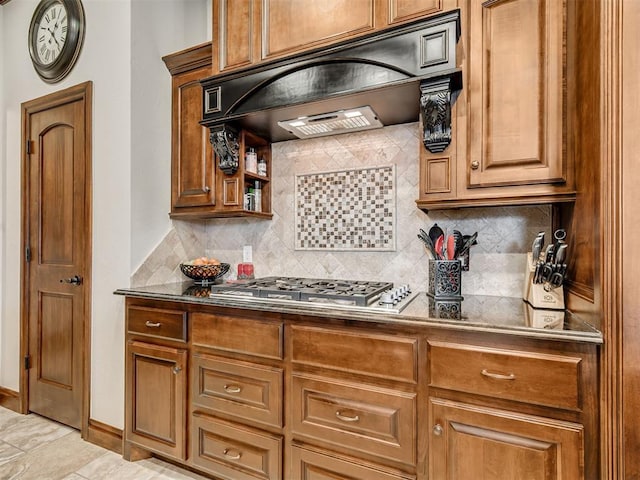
56	34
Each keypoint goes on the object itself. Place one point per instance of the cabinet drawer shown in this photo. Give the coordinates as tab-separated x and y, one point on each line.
251	392
360	417
157	322
235	452
310	465
238	335
537	378
395	357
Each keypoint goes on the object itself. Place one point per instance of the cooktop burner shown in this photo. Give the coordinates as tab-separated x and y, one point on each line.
334	293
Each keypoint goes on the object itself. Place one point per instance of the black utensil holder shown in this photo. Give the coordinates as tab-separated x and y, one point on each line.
445	288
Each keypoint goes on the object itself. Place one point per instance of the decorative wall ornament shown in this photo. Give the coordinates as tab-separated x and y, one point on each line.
346	210
435	110
225	143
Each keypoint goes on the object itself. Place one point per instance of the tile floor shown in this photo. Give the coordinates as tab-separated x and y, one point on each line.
35	448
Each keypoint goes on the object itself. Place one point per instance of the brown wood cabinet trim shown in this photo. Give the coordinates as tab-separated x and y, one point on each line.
188	59
105	436
10	399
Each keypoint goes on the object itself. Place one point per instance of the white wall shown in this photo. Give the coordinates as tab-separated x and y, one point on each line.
160	27
126	155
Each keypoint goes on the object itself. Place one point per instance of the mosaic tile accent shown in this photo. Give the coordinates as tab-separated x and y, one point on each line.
346	210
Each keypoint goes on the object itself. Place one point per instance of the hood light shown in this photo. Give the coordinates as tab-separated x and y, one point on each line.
333	123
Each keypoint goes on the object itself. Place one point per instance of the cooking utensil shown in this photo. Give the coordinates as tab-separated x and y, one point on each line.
434	233
451	247
548	253
428	243
536	248
471	240
560	235
561	253
440	247
459	241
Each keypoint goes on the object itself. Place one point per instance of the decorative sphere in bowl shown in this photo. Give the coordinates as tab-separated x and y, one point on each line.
204	273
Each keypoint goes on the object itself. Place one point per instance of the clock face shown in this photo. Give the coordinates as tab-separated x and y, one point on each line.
52	33
56	33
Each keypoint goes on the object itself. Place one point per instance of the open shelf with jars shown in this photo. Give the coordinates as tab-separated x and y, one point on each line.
247	191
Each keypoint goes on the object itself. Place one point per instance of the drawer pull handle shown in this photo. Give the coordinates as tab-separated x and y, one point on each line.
497	376
232	389
438	430
347	418
232	454
152	324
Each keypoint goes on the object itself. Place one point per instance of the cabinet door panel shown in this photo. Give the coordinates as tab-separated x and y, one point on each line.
290	27
249	391
309	465
234	452
236	24
476	442
193	172
516	92
403	10
157	398
355	416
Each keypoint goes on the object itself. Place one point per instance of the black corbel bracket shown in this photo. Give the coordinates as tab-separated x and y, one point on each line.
435	110
225	143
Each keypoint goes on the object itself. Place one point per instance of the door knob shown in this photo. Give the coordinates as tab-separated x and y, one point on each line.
76	280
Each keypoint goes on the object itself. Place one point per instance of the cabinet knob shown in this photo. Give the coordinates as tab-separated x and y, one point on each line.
176	370
437	429
475	165
207	189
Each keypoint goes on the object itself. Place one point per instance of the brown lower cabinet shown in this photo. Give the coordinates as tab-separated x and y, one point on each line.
470	441
247	395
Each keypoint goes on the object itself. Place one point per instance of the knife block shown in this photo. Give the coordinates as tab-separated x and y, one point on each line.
536	294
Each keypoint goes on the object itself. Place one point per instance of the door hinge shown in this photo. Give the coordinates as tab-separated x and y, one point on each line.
27	362
29	147
27	253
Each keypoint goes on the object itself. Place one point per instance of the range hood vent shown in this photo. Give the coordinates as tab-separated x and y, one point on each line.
333	123
391	77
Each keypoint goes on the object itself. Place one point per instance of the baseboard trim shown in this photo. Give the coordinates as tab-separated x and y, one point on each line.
105	436
10	399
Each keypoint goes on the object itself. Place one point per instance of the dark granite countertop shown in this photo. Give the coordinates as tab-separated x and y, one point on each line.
479	313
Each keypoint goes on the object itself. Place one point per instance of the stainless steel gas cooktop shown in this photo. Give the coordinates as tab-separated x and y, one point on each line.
352	295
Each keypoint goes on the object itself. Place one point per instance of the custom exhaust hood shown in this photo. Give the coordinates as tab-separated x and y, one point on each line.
386	78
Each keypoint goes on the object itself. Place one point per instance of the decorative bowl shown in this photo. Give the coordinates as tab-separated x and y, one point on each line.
204	274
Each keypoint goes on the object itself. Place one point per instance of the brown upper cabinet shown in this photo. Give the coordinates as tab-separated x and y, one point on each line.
199	189
509	120
192	160
247	32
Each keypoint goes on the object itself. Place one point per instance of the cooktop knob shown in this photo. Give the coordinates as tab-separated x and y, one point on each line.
386	299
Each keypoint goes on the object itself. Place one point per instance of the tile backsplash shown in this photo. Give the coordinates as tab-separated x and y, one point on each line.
496	265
